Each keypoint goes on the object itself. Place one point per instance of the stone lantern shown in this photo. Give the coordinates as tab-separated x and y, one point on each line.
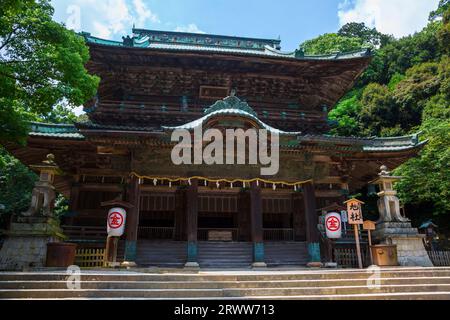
393	228
388	202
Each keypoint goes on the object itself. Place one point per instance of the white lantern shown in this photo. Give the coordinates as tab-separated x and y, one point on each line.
333	225
116	222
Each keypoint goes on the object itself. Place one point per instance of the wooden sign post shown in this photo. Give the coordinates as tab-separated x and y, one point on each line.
369	226
355	218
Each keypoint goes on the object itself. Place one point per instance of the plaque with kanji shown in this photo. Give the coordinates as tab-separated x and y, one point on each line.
354	212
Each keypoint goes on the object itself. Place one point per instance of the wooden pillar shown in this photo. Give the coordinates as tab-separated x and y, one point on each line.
256	220
192	223
74	201
132	223
244	216
180	216
298	219
312	232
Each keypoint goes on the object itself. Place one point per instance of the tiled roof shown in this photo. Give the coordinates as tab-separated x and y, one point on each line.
62	131
182	41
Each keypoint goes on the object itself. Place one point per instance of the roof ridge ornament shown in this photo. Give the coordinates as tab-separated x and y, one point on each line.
231	102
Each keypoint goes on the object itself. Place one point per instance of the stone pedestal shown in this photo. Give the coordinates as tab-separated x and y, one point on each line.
26	243
410	248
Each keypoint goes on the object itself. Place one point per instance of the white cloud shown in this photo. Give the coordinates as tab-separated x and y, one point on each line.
143	14
113	18
192	28
397	17
101	30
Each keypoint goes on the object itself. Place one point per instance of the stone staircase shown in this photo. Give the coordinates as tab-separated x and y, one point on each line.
395	283
286	253
225	254
161	253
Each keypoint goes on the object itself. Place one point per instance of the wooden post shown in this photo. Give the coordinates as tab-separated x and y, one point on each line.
132	226
256	220
192	224
358	246
369	226
111	251
312	219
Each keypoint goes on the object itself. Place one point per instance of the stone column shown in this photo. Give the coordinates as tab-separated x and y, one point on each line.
256	220
192	224
132	224
312	233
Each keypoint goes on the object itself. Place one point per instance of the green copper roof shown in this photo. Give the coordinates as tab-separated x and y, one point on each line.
182	41
64	131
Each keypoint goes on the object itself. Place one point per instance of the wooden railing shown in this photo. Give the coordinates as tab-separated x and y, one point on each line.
346	257
156	233
202	234
284	234
439	258
85	232
90	257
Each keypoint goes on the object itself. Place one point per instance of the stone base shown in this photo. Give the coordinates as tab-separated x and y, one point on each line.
26	243
410	248
256	265
128	264
314	264
191	266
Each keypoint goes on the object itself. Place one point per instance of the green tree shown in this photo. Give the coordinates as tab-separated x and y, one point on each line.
16	183
378	110
331	43
365	34
444	5
41	66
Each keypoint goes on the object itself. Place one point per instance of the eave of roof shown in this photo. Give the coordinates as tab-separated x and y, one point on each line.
366	145
266	51
57	131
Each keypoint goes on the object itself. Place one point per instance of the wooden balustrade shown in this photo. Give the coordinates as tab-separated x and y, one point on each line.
156	233
85	232
284	234
439	258
203	233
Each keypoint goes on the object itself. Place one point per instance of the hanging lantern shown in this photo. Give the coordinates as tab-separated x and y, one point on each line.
231	185
295	187
257	183
189	181
155	181
274	186
170	184
206	183
218	184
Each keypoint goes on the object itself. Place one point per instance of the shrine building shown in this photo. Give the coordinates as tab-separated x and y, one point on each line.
155	82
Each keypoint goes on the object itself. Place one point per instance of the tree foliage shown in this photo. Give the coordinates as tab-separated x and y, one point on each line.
331	43
406	89
41	66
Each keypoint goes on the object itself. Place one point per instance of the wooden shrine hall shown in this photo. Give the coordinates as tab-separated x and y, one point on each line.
155	82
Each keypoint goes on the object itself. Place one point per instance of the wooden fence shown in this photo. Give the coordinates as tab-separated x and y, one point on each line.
440	258
347	257
90	257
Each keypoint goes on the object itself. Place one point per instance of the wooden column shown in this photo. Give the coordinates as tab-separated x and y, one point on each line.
192	223
312	219
74	201
256	220
244	216
180	216
298	218
132	222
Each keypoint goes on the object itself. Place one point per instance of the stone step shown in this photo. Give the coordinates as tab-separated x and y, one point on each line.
218	284
230	293
270	275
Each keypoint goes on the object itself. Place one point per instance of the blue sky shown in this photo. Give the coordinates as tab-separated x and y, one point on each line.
293	20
